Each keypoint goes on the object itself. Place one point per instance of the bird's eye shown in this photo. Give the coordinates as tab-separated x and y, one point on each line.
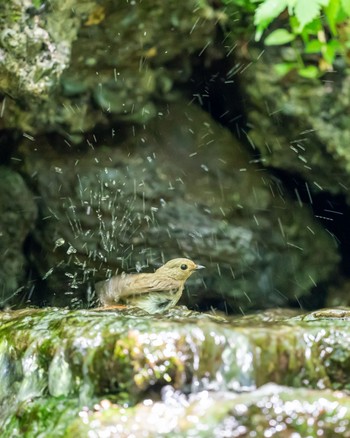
184	267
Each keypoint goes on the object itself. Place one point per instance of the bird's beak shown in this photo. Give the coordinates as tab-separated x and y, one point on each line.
199	267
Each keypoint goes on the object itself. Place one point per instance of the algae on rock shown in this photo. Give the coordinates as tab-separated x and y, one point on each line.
122	56
273	410
119	363
131	352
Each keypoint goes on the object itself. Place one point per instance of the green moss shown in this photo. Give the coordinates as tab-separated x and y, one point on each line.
42	417
112	353
279	410
53	362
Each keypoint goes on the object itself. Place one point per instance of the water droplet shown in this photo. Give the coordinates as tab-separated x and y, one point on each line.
48	273
59	242
71	250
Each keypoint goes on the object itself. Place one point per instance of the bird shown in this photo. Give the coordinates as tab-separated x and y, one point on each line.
154	293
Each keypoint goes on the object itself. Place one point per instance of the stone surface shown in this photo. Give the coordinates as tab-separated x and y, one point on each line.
272	409
182	186
65	373
70	65
18	212
35	50
299	126
128	352
269	411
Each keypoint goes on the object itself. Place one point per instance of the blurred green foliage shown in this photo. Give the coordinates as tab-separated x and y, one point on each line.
317	30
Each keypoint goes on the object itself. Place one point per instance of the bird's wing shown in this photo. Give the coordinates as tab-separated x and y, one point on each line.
112	290
145	283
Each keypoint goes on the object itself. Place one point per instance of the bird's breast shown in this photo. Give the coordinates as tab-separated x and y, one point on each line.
154	302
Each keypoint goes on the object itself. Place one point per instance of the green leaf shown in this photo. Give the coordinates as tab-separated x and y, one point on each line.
329	54
279	37
314	46
258	33
336	45
37	3
345	4
307	10
309	72
332	11
294	24
330	51
268	10
284	68
313	27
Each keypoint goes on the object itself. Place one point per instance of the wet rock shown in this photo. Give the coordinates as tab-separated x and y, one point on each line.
299	126
17	217
35	47
274	410
271	409
327	314
67	372
129	353
182	186
68	66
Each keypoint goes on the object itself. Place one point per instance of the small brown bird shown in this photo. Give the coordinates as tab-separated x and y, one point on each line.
153	293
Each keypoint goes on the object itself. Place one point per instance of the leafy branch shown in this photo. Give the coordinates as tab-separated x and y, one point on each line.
313	28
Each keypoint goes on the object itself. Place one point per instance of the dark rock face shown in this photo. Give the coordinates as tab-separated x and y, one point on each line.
298	125
176	184
180	187
17	216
